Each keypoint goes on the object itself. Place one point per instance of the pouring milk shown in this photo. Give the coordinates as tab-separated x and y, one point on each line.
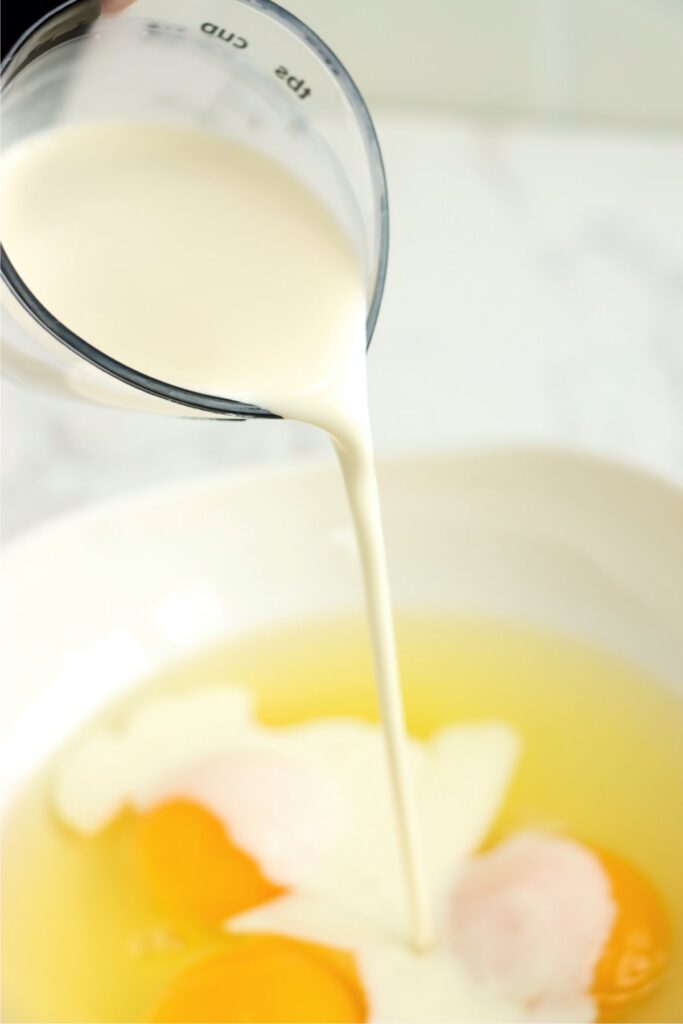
205	264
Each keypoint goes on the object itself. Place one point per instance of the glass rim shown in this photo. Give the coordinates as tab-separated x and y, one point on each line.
152	385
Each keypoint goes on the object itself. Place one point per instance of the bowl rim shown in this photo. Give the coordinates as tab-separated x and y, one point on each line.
18	547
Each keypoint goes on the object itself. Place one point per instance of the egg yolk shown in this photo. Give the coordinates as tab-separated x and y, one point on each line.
267	979
190	865
636	951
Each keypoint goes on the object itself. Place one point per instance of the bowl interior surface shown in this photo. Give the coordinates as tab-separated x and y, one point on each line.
100	600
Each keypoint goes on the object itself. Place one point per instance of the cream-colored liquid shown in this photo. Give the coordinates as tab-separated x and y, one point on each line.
205	265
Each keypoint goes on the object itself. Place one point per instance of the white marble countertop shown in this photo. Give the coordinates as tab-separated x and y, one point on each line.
535	295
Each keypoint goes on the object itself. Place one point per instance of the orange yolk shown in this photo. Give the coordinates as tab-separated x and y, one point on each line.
191	867
267	979
635	953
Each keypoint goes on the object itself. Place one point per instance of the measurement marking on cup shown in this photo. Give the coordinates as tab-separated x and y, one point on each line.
297	85
239	42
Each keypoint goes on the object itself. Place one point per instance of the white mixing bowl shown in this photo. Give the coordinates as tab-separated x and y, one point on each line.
99	600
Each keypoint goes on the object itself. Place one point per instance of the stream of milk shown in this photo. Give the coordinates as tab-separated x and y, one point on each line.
206	265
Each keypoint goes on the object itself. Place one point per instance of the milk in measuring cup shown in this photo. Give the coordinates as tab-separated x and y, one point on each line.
203	263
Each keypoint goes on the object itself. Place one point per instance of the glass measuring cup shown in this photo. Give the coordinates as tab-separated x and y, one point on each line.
245	69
